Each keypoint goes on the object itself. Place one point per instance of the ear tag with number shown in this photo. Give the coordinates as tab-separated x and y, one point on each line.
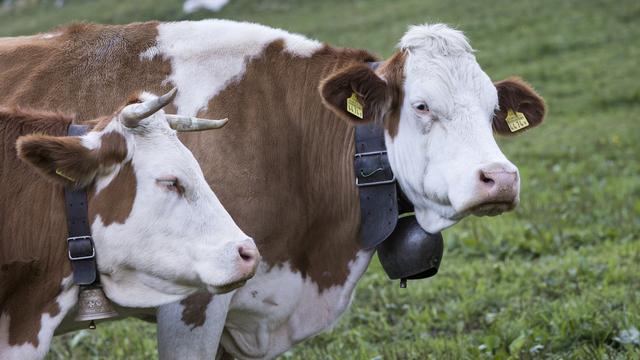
354	106
516	120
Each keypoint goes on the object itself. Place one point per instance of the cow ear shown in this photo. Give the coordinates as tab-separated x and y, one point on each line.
517	100
61	159
356	94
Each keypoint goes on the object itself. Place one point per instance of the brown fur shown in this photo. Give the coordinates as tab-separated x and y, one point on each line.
195	307
515	94
33	259
123	188
71	75
393	72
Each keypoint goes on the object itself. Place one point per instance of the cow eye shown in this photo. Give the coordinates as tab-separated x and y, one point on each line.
421	107
171	184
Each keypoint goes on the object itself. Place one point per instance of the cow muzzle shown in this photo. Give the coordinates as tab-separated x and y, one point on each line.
244	258
497	191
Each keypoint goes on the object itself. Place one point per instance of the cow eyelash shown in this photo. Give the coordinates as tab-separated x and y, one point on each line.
171	184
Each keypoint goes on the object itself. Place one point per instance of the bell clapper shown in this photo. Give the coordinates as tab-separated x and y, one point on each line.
92	325
403	283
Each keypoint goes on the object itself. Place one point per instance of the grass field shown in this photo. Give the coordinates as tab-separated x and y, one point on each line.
560	277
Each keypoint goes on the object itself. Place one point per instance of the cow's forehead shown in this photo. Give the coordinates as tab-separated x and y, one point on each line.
440	68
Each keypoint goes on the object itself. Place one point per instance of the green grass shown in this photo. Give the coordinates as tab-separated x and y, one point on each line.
559	277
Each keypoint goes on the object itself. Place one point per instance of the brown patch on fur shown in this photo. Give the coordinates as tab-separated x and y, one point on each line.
194	312
112	150
87	70
122	187
33	258
514	93
393	72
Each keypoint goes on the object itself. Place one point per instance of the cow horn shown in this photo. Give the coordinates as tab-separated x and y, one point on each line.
188	123
133	113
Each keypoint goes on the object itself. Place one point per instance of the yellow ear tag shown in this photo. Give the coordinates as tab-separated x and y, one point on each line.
354	106
516	120
61	174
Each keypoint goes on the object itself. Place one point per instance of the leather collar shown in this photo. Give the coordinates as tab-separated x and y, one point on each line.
82	252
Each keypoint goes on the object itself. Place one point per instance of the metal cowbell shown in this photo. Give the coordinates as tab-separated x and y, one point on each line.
94	305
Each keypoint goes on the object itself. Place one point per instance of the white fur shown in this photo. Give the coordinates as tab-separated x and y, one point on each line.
272	312
279	308
437	157
66	300
207	55
177	340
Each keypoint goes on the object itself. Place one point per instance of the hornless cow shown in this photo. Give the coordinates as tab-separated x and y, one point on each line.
159	231
284	166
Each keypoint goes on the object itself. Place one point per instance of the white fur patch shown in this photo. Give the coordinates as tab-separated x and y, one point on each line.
434	39
48	324
207	55
278	308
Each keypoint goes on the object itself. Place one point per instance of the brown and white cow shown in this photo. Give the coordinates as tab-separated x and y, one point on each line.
159	231
291	186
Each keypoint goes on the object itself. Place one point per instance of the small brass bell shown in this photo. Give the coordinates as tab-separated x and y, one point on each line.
94	305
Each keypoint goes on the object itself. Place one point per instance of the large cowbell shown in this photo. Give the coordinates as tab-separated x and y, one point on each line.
410	252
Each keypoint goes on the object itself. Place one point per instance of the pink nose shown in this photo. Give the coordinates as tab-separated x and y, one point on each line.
499	184
249	257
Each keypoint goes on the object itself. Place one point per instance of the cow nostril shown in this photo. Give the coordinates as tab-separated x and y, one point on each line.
244	254
248	254
485	179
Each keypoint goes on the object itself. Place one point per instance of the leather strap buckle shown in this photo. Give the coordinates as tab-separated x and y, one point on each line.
78	248
376	173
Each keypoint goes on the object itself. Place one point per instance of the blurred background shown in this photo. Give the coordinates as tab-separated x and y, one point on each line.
559	277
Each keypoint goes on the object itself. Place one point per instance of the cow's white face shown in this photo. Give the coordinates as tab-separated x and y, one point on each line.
440	111
444	153
159	230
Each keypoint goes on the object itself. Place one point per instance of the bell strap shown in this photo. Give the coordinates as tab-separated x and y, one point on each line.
376	186
81	250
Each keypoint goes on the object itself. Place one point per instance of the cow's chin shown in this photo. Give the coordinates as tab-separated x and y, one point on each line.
492	209
222	289
433	221
137	289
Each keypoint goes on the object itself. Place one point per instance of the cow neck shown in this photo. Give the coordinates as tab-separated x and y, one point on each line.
33	262
293	163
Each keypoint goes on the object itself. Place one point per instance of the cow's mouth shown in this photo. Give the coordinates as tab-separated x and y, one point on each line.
491	208
221	289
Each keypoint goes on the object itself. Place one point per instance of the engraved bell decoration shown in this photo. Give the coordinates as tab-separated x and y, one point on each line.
94	305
